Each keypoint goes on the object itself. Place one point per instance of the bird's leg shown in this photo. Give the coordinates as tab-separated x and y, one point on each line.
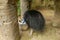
31	32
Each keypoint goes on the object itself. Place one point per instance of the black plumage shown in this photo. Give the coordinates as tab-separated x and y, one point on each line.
34	20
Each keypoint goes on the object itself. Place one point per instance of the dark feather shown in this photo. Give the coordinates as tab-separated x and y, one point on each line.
34	20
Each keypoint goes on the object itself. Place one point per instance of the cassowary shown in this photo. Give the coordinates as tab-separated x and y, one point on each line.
34	20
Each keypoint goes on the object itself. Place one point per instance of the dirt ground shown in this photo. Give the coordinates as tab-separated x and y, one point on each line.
50	32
